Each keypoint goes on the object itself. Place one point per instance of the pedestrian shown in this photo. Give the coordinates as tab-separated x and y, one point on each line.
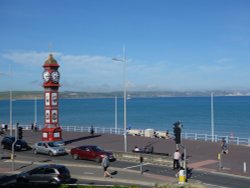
32	126
224	147
1	130
92	131
105	165
3	127
176	160
167	134
35	127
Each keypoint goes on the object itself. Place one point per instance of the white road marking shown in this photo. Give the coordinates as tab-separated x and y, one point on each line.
88	173
217	186
136	166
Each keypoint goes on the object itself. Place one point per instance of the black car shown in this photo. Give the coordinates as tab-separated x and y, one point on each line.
50	173
7	142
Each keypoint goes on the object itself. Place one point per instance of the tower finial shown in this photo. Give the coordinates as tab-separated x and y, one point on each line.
50	45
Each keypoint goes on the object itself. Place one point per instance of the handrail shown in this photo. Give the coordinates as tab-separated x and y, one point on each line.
185	135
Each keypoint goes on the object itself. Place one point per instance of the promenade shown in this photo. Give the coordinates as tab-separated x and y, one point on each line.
201	155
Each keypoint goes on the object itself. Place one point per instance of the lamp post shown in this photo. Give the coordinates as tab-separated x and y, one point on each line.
212	116
10	74
11	126
123	59
35	113
115	114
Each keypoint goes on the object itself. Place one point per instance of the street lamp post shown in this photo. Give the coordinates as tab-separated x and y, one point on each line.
212	116
11	126
115	114
123	59
35	112
10	74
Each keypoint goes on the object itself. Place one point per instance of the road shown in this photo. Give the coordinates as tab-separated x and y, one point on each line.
90	172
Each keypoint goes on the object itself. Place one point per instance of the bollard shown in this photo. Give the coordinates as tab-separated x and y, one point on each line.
219	159
244	167
141	164
182	177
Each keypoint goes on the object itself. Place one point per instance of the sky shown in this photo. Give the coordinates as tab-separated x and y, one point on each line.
170	45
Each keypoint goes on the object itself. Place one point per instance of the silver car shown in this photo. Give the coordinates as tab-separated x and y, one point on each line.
48	148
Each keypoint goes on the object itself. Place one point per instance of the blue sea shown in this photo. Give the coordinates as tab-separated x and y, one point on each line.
231	114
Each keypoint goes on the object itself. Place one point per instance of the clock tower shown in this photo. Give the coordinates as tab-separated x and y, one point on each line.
51	131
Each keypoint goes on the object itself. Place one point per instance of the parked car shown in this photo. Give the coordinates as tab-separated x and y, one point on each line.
48	148
7	142
51	173
95	153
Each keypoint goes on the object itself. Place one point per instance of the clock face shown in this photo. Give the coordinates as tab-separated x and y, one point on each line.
46	76
55	75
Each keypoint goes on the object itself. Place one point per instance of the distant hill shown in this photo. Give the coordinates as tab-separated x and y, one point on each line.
135	94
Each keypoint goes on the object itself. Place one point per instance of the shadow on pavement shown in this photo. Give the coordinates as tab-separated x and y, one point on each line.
25	166
29	185
114	173
81	138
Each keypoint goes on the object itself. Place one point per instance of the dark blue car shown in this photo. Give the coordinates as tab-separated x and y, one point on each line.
7	142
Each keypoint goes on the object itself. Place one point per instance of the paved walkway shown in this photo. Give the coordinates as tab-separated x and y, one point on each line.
202	155
198	151
92	173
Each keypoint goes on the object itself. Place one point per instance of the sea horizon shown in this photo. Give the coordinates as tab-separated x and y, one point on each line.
231	114
31	95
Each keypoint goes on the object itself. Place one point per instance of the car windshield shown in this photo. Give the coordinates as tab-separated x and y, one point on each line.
97	148
12	139
63	170
51	144
19	142
58	143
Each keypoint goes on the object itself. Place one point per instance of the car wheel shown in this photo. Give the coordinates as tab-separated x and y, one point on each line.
35	151
98	159
50	153
75	156
21	180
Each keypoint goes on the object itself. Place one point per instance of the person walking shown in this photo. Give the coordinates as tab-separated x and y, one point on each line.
105	165
92	131
32	127
224	146
176	160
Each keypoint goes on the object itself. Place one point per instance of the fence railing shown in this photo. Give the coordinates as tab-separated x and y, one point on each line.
185	135
207	137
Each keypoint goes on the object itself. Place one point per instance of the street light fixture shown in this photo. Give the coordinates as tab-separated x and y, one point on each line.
123	59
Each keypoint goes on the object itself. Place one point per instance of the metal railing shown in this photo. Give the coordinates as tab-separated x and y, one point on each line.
186	135
207	137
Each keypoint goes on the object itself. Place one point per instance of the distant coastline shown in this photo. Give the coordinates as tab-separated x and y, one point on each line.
30	95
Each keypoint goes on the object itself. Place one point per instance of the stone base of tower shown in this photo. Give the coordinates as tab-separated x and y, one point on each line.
52	134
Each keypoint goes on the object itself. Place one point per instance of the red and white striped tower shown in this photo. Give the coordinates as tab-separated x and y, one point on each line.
51	131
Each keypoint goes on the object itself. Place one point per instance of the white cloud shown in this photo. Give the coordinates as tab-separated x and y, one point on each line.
100	73
220	65
26	58
224	60
77	71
